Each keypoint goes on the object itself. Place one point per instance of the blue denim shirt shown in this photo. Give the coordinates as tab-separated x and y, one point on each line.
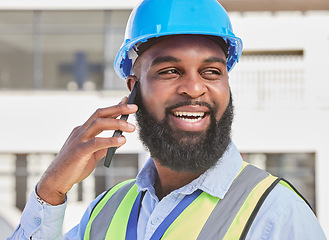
284	215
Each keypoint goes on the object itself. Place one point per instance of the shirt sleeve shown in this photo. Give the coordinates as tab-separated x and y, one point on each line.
40	221
45	222
285	216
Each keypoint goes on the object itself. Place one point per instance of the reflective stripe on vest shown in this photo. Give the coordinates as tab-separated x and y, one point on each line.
105	214
207	217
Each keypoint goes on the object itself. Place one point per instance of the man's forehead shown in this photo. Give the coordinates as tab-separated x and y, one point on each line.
172	40
168	58
163	47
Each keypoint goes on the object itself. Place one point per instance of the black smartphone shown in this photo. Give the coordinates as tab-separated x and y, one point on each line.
118	133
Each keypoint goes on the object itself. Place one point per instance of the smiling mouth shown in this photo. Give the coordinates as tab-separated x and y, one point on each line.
190	117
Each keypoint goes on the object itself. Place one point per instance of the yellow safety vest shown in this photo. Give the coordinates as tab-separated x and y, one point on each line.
207	217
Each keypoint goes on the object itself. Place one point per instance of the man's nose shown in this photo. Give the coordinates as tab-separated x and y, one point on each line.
192	85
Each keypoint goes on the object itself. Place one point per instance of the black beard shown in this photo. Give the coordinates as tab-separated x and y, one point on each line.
178	150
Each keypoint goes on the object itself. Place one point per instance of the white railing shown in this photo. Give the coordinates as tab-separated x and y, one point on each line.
262	82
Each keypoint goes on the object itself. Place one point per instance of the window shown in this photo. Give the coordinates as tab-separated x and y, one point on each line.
16	50
60	50
123	167
297	168
71	49
7	179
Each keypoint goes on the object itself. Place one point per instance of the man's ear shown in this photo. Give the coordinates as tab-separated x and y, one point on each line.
130	80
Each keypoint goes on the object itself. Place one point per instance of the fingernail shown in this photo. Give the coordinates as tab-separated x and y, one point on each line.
121	140
131	127
123	100
131	106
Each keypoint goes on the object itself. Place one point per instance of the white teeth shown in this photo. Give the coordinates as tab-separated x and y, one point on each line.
185	116
191	120
189	114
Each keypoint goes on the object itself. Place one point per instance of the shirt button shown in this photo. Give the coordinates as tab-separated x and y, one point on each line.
155	221
37	221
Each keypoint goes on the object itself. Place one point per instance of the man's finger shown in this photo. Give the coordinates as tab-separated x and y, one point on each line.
111	112
99	125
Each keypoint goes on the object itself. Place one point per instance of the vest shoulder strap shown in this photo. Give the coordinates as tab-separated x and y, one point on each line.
231	213
103	212
252	217
241	204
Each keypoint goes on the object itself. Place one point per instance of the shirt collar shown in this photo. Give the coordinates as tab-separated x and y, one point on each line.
215	181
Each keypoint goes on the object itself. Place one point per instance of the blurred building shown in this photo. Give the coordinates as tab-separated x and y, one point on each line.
56	69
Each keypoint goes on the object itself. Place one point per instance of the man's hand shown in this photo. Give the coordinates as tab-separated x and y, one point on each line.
82	151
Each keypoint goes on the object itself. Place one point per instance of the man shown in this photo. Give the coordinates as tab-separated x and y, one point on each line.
195	185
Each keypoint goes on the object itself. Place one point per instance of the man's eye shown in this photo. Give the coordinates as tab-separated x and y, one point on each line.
208	72
169	71
211	74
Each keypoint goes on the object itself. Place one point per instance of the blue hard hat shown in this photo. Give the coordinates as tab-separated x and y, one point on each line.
156	18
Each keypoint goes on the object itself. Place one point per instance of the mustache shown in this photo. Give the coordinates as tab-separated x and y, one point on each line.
191	103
